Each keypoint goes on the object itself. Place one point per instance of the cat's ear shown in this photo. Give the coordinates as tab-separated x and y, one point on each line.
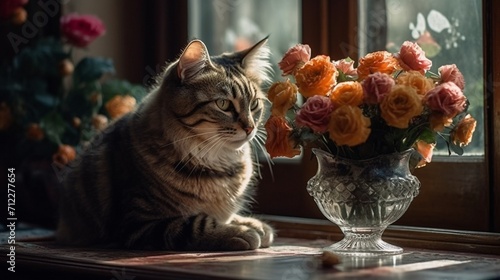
193	59
255	61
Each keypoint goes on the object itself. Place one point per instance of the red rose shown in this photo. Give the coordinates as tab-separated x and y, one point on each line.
315	113
81	30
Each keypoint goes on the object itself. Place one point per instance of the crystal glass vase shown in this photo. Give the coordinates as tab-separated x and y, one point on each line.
363	197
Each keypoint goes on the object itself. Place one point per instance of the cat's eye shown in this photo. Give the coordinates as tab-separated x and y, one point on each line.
223	104
255	104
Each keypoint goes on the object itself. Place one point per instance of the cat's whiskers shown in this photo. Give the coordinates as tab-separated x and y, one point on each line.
191	155
186	138
259	141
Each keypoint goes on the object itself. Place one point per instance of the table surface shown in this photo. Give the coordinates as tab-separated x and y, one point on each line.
288	258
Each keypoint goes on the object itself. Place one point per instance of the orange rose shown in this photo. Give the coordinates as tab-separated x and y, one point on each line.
348	126
317	76
347	93
426	150
416	80
401	105
5	116
381	61
278	142
283	95
120	105
439	121
34	132
462	133
66	67
64	155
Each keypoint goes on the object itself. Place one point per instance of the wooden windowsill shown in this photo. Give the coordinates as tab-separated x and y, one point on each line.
428	254
417	237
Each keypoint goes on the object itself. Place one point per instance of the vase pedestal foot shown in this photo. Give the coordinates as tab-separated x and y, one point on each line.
365	245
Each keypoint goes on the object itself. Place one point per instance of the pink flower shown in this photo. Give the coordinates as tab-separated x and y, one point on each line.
446	98
450	73
294	58
376	86
315	113
412	57
346	66
81	30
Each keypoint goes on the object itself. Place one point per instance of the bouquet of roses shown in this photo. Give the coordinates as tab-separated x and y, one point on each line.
389	103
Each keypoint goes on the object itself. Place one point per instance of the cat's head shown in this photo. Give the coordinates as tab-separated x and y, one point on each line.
217	100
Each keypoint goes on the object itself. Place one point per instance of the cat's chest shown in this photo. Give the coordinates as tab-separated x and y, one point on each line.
223	196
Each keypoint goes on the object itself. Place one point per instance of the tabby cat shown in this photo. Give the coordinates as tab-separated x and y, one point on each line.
175	173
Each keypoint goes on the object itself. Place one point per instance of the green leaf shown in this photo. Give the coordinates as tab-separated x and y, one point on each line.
456	149
40	60
46	99
90	69
53	124
428	136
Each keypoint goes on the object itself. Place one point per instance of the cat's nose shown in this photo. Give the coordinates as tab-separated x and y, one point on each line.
248	130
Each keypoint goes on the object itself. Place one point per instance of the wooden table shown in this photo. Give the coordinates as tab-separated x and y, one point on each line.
288	258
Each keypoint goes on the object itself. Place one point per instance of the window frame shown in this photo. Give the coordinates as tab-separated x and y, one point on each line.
441	201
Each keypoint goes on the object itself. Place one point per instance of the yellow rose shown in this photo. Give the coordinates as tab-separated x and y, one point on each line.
347	93
416	80
120	105
283	95
99	122
462	133
400	106
348	126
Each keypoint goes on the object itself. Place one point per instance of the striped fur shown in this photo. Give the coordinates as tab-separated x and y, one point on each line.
175	173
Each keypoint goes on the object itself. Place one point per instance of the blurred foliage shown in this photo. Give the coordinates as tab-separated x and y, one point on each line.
40	87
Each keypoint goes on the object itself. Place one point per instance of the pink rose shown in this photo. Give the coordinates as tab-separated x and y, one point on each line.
450	73
315	113
346	66
412	57
376	86
446	98
294	58
81	30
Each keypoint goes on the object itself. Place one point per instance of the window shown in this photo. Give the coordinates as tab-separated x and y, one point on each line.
457	192
447	32
227	25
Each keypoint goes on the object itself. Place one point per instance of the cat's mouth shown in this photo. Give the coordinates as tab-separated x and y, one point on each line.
238	141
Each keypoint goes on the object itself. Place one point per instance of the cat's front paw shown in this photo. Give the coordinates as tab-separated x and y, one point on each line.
265	232
246	239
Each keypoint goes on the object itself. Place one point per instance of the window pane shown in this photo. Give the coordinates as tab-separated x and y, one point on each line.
449	31
229	25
